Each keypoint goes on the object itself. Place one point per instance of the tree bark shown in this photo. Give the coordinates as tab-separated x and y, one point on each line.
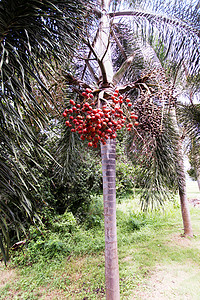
108	154
182	181
183	193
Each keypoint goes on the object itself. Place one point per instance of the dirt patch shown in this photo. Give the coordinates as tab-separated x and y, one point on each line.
6	276
44	294
169	282
178	240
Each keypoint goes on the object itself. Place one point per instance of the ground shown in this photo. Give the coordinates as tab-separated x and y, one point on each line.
168	280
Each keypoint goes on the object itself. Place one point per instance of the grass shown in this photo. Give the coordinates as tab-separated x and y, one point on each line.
154	260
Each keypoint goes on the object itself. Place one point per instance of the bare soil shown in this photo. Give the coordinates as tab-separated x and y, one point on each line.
6	275
167	282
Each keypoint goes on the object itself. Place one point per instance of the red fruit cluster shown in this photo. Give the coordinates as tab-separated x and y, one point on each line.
98	124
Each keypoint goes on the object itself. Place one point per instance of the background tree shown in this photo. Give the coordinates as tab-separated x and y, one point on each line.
33	35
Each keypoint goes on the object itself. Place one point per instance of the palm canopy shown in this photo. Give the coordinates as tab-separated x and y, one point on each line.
137	27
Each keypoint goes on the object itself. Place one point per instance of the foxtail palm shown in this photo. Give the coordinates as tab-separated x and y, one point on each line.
111	51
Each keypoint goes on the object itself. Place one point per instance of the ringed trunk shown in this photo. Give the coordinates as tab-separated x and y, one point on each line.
108	153
187	225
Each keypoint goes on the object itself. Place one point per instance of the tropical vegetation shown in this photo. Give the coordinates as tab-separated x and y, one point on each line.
105	64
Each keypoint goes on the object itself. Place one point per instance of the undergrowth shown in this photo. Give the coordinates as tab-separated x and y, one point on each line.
69	256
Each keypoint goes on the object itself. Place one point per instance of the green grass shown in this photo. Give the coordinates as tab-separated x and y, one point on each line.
148	245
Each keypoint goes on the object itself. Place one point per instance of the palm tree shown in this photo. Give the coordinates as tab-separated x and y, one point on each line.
108	61
33	35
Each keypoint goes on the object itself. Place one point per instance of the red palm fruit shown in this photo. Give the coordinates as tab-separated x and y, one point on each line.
119	127
64	114
136	123
110	124
73	130
71	117
117	91
129	104
106	137
115	94
78	105
72	102
97	116
67	123
107	115
91	95
82	137
120	101
134	116
70	110
88	90
74	108
115	101
84	94
88	117
113	136
109	130
70	125
120	97
129	125
112	97
128	100
129	129
90	144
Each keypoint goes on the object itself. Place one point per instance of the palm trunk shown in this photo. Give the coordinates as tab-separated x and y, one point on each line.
182	181
108	154
182	192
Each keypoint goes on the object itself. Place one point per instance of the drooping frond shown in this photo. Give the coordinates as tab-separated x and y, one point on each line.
189	118
34	36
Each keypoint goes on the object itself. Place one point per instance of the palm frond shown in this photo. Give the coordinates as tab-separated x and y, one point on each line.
189	118
155	157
